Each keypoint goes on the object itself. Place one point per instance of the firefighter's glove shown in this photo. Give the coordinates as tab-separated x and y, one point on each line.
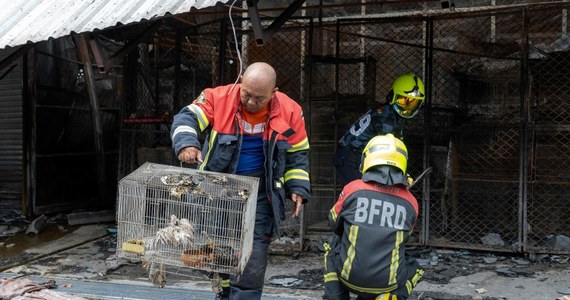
409	179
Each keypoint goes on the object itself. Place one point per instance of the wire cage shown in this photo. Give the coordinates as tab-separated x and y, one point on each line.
184	217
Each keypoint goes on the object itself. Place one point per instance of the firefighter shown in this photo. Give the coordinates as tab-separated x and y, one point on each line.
402	102
371	222
254	130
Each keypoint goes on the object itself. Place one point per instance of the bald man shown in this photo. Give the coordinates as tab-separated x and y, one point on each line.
255	130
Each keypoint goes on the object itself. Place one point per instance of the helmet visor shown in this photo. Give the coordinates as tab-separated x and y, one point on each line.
407	107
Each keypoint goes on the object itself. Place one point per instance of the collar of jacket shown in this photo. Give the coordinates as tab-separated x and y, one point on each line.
386	175
276	122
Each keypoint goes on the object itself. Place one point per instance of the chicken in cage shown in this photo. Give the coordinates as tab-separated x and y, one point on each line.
185	217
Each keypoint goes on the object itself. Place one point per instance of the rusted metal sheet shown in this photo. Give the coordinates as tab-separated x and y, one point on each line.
26	21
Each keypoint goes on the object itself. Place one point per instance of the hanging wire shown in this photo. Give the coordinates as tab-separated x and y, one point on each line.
237	46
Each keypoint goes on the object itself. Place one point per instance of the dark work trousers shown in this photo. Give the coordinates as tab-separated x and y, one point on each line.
336	290
249	285
347	164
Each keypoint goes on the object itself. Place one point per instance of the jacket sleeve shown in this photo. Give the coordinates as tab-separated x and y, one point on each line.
296	175
190	122
335	221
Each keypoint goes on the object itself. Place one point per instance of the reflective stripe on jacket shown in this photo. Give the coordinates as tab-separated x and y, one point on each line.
285	141
374	222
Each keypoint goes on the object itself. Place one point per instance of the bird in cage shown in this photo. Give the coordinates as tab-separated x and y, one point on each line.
177	179
219	179
199	191
242	194
225	255
180	184
156	273
178	191
178	232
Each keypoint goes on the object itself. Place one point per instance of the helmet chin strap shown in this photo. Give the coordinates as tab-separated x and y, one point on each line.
397	110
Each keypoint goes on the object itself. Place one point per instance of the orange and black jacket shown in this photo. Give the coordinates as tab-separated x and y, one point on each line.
374	222
285	143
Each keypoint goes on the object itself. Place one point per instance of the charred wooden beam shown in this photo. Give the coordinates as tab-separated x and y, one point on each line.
132	44
260	34
83	49
15	55
96	49
8	71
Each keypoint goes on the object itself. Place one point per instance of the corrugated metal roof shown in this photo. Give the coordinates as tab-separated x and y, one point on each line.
26	21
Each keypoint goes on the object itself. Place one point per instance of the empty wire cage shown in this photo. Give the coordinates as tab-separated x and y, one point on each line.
184	217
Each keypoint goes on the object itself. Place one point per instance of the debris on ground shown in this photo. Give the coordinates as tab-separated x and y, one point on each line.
37	225
22	288
443	265
97	260
11	222
564	291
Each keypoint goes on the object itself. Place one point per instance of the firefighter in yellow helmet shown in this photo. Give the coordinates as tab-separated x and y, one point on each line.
371	221
403	101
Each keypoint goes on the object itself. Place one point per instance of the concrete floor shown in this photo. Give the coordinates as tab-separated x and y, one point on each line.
84	262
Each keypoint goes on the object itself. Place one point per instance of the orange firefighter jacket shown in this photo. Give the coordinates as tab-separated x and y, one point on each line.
286	146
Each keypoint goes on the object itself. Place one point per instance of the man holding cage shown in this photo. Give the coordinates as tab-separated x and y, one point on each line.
254	130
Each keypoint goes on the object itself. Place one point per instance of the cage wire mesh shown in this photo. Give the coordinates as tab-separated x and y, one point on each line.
548	175
332	110
144	132
183	217
475	143
320	117
478	90
474	197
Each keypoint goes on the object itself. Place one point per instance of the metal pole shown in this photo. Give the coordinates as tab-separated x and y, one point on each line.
523	164
178	60
424	235
222	52
336	84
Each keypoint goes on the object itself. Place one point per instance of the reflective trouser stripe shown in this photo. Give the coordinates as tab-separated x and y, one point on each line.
386	296
331	276
351	252
410	284
375	291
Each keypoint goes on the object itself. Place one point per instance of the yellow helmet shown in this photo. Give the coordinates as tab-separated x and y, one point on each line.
407	95
384	150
